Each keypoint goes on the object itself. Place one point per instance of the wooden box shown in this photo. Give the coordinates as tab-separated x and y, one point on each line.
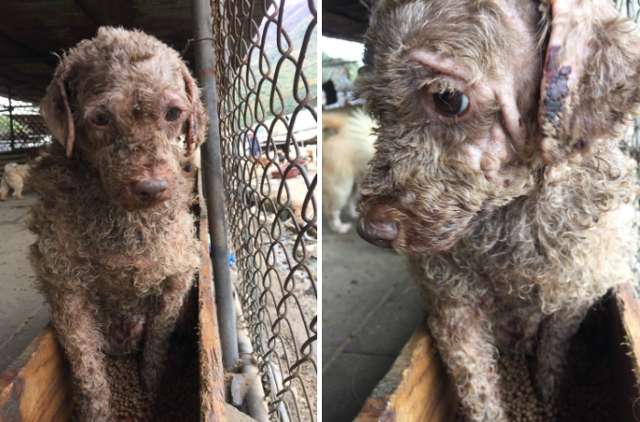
417	387
38	386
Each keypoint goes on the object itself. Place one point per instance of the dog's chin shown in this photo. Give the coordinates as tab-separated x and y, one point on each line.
412	242
422	248
133	204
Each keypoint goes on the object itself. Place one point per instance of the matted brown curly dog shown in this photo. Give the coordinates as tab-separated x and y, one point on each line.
501	174
116	250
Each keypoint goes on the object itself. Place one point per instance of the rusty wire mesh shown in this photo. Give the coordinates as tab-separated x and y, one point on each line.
266	71
21	127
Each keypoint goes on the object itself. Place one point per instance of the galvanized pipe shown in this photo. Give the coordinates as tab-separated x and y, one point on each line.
11	134
214	184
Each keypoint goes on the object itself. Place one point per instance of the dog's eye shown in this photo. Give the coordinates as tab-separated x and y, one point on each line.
451	103
173	114
101	119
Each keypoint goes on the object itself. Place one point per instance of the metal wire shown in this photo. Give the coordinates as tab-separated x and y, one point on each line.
266	74
22	127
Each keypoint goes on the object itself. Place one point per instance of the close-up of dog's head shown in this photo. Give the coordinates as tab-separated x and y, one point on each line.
121	101
455	88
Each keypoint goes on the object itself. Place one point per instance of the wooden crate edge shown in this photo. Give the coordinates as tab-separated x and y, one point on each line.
415	389
212	398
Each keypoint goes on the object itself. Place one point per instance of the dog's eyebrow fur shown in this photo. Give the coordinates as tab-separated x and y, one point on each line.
438	64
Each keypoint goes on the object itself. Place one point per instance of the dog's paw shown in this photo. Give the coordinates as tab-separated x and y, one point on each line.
150	378
343	228
548	383
94	409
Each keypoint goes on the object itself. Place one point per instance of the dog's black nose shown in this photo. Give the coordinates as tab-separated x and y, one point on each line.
151	190
379	233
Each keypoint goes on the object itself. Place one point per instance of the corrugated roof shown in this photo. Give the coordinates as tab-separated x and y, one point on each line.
32	30
345	19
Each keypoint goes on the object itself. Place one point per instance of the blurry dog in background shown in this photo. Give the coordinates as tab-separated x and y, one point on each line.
13	178
345	156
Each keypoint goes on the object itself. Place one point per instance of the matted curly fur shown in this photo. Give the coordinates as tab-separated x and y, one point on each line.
501	173
13	178
116	250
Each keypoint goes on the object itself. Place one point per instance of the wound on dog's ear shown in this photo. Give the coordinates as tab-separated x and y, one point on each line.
589	88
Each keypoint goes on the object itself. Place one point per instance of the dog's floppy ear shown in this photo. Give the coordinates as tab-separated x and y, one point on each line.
198	120
591	80
55	108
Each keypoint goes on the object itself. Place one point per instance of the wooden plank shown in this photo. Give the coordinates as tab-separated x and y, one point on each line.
625	328
416	389
212	399
41	389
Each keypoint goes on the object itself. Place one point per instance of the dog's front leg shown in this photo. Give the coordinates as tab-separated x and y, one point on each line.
4	190
553	348
463	335
77	332
161	325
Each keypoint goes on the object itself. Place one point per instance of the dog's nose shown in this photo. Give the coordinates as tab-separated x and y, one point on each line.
151	190
380	233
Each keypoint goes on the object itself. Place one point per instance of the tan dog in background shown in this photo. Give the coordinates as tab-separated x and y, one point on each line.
344	163
13	178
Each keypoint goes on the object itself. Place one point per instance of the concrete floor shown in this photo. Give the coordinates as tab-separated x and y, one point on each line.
370	309
22	310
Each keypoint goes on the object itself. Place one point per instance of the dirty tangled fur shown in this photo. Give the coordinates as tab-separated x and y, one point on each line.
514	251
114	270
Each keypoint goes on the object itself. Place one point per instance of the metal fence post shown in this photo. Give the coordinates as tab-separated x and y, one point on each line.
11	134
214	184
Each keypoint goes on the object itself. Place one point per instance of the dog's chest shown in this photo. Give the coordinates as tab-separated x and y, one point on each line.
124	275
516	328
135	257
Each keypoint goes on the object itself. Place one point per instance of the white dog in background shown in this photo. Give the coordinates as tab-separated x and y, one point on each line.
344	163
14	176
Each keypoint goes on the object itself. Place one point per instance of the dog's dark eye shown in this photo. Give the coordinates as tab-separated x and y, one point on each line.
451	103
173	114
101	119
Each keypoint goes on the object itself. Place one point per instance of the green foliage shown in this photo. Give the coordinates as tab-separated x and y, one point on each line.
5	125
339	69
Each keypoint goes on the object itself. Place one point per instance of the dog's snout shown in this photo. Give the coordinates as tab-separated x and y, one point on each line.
150	190
378	232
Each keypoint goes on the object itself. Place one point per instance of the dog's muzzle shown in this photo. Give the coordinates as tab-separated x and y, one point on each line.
379	233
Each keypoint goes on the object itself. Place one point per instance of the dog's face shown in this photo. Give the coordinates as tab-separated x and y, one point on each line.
454	86
130	98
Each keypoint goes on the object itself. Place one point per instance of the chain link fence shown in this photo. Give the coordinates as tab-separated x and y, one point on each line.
21	127
266	67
